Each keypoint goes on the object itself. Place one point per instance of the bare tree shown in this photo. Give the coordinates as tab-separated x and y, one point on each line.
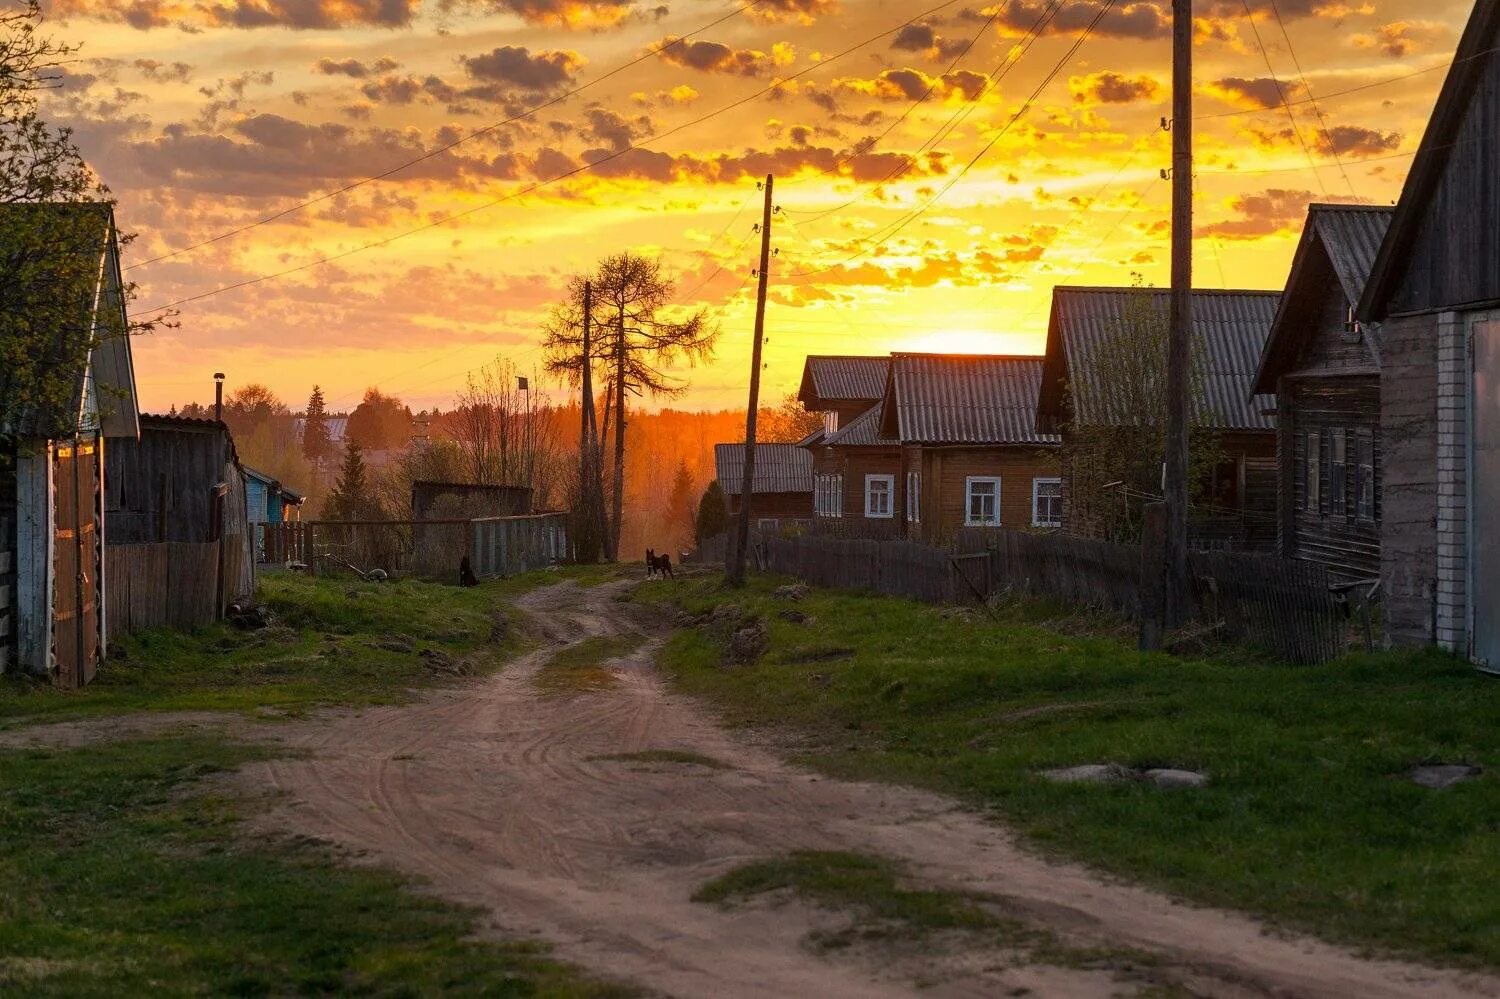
632	344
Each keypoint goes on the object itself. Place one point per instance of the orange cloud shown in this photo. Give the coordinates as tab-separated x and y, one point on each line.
1113	88
1400	38
716	57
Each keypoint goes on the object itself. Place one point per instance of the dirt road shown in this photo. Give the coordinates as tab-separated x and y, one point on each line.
500	796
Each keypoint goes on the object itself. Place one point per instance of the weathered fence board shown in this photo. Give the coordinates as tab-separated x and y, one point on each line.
171	584
1284	606
496	546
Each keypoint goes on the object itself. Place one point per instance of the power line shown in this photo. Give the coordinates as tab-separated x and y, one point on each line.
440	150
1282	94
530	188
1323	122
1020	112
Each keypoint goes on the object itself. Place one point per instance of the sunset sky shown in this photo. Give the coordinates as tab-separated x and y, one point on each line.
208	115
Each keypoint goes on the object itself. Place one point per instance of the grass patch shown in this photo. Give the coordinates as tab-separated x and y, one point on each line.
124	876
581	666
868	888
1308	819
336	640
682	756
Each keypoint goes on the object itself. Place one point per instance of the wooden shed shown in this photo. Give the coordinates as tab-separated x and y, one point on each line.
1230	328
53	579
179	545
1323	366
1434	290
781	494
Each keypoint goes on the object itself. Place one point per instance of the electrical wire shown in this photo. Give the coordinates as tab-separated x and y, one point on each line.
1307	88
1297	131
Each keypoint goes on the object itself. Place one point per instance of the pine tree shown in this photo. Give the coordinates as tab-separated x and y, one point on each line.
680	502
350	499
713	512
315	443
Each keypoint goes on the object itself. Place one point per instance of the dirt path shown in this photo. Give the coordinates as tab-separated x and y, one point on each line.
497	795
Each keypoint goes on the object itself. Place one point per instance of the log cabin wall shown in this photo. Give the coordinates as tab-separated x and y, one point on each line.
1336	520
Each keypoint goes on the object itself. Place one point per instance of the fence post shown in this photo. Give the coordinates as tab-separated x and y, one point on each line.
1153	575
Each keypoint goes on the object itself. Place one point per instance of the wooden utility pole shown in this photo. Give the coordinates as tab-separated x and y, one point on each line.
736	568
1180	332
617	522
589	501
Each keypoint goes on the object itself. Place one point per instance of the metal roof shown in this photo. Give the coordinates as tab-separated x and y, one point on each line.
779	468
835	378
862	431
1230	328
1347	237
1352	235
964	399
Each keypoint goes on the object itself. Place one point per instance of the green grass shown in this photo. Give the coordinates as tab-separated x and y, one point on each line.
869	889
323	649
124	875
681	756
1308	820
582	666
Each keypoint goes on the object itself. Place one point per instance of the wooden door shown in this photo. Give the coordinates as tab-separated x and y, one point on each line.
76	555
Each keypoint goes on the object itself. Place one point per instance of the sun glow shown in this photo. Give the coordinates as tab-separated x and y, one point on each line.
971	341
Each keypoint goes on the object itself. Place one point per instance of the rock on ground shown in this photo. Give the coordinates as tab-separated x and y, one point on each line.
1441	775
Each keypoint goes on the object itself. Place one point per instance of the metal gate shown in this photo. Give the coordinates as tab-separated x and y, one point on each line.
76	558
1484	497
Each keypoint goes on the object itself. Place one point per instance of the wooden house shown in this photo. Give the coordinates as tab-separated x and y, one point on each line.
53	584
1434	290
1230	329
970	454
851	464
1323	366
179	544
781	494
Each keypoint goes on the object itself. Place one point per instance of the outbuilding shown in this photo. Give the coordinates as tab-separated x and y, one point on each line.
781	494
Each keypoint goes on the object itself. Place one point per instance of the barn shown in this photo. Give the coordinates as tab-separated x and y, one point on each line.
1434	290
178	549
1323	367
53	583
781	494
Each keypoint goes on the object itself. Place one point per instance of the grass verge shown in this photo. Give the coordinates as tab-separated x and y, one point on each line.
124	875
1309	819
582	666
335	640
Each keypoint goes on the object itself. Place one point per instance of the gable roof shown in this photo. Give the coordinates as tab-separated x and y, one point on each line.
1475	52
273	485
779	468
829	378
193	425
1229	326
102	383
1348	237
963	399
864	430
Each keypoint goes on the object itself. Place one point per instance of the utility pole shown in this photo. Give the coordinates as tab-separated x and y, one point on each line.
1180	331
588	483
736	568
617	522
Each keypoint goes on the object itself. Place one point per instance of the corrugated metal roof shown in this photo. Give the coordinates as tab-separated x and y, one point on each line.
829	378
966	399
1352	235
862	431
1229	332
779	468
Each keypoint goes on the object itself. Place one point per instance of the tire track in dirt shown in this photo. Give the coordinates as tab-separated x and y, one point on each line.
497	795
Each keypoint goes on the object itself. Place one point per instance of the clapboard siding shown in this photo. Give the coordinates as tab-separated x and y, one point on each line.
1455	257
1408	430
7	560
945	473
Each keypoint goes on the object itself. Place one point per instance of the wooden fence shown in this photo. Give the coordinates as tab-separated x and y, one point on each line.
1280	605
168	584
432	549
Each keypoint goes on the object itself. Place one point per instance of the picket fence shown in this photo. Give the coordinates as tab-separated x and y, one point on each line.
1285	607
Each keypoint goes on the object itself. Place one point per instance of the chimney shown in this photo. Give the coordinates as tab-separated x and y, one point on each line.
219	396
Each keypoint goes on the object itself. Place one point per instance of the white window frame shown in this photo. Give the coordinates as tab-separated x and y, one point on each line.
969	483
913	497
767	524
889	481
828	497
830	422
1036	496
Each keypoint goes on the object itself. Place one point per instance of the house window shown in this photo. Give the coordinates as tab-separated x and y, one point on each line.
1314	473
828	497
1337	463
880	491
982	501
830	421
1046	502
767	525
1364	474
913	497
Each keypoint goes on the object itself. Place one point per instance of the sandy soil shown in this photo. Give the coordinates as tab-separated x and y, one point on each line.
496	795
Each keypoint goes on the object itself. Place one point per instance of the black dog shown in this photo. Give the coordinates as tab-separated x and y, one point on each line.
658	565
466	575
